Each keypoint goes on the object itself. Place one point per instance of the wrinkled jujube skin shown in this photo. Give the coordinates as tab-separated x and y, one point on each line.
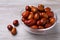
52	20
43	15
40	27
30	22
47	9
14	31
34	27
42	21
41	7
25	14
31	15
27	8
36	16
39	22
47	25
15	22
10	27
34	9
50	14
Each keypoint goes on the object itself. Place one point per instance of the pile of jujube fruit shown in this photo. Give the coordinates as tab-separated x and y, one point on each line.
38	17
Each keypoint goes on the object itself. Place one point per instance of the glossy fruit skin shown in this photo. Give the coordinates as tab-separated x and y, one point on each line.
42	21
27	8
47	25
36	16
39	22
47	9
25	14
14	31
41	7
30	22
10	27
15	23
43	14
34	27
34	9
50	14
52	20
31	15
40	27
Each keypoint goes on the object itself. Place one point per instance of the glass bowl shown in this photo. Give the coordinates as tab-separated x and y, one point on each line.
37	31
